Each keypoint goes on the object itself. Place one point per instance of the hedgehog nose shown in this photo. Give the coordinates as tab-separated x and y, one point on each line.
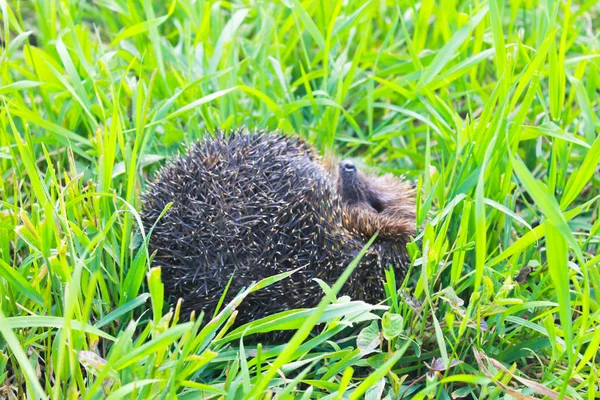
347	166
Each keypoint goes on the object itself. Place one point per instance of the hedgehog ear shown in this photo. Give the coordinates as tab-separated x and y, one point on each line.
396	195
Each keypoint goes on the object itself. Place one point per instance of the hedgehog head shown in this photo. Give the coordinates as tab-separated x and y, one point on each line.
371	203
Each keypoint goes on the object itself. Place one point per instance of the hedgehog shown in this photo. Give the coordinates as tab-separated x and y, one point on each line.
255	204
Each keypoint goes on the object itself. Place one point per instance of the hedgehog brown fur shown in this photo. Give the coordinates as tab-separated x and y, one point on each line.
258	204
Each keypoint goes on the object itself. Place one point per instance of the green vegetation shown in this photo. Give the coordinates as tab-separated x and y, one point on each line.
491	107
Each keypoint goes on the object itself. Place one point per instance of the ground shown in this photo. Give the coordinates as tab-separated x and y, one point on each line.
491	108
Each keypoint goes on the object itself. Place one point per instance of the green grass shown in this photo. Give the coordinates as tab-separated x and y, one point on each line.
491	107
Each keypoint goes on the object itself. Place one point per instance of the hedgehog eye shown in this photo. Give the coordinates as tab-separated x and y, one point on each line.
376	204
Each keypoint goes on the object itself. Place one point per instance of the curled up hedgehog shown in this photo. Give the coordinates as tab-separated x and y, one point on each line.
256	204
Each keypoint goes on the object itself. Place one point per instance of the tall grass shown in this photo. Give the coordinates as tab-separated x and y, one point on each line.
491	107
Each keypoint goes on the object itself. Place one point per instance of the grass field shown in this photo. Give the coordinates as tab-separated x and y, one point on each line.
492	108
